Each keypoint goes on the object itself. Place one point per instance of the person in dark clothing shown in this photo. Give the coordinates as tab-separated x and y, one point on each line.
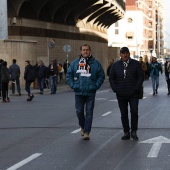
66	66
1	61
41	75
53	76
109	67
5	77
85	75
14	71
167	75
126	78
28	79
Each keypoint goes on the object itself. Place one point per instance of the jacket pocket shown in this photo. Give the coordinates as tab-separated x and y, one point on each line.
92	86
76	85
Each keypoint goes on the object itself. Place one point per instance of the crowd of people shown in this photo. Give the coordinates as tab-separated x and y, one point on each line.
85	76
42	76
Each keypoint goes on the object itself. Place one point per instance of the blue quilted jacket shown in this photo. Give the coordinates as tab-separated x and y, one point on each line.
85	86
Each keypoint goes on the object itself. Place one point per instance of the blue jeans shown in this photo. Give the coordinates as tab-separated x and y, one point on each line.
27	87
41	84
18	85
53	83
155	82
85	121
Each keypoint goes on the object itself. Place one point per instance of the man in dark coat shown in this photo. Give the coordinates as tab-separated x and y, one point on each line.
14	71
126	78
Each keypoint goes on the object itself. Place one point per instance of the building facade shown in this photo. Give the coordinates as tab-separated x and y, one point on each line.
141	29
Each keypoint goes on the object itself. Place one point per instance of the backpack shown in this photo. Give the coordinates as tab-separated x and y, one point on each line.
31	74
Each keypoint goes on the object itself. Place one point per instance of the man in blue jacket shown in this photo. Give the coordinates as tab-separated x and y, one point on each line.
155	68
85	75
126	78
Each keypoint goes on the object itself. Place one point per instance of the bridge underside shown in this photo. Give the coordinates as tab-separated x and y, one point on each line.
99	14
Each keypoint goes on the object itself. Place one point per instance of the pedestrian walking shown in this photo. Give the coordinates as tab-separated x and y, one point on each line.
5	77
85	75
109	67
126	78
1	61
143	65
53	76
29	76
167	75
61	71
14	71
155	68
41	75
66	66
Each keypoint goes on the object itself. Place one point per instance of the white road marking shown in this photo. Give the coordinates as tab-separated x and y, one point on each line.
101	99
112	100
25	161
103	91
76	131
157	143
107	113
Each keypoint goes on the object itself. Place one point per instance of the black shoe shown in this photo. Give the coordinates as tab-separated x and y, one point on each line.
31	97
153	93
19	94
8	100
134	135
4	100
41	92
156	91
126	136
168	93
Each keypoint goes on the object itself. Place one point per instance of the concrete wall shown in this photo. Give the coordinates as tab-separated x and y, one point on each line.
19	50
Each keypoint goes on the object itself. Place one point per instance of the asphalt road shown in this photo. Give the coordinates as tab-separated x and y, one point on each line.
44	134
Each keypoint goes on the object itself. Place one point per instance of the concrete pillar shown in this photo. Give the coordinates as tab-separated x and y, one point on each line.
3	20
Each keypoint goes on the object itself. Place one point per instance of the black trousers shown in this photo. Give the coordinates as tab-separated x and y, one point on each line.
4	90
133	102
168	85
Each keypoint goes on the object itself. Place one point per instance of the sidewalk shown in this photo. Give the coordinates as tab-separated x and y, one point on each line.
60	87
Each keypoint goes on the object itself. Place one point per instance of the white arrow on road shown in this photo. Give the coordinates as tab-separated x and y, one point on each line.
157	143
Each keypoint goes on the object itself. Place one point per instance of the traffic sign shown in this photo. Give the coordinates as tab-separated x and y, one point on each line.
67	48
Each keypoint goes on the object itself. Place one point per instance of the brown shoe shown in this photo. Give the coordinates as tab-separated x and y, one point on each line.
82	132
86	136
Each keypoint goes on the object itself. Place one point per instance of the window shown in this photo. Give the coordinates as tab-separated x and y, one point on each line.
129	35
130	20
116	24
116	31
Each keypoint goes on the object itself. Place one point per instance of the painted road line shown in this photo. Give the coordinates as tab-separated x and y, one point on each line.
107	113
103	91
101	99
76	131
25	161
112	100
157	143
